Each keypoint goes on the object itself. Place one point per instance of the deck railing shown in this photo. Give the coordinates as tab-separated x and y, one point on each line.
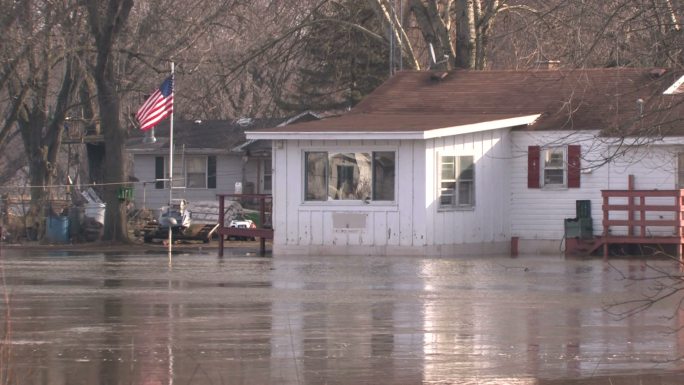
265	202
643	216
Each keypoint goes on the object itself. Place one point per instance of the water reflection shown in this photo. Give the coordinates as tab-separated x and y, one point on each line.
132	319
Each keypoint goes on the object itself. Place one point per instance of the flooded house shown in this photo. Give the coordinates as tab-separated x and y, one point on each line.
481	162
210	157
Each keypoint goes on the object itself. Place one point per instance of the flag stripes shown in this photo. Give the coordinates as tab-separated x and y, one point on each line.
157	107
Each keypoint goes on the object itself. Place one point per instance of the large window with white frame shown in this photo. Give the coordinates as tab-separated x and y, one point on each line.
554	167
349	176
456	182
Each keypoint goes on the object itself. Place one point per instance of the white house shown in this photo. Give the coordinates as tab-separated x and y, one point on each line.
465	162
211	157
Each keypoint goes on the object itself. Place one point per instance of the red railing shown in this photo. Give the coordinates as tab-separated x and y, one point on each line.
644	216
263	232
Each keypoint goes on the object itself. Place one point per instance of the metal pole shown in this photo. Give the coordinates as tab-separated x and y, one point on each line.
168	212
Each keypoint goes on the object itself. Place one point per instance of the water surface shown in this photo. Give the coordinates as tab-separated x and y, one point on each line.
115	318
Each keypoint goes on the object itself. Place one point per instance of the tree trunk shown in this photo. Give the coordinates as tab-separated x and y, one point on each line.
116	226
106	19
466	34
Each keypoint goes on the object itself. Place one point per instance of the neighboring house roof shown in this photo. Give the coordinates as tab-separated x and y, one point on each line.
416	104
206	135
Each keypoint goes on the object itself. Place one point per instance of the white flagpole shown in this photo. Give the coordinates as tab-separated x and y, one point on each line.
168	213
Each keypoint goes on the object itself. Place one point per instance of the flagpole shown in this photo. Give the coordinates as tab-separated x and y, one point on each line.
168	213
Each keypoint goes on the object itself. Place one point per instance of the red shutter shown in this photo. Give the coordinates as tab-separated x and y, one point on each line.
533	166
574	166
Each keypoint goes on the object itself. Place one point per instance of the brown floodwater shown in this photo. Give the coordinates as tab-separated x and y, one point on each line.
118	318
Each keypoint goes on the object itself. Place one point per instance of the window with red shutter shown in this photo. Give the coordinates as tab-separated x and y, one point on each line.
554	167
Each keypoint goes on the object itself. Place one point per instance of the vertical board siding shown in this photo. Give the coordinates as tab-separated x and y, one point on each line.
280	198
488	220
300	223
415	220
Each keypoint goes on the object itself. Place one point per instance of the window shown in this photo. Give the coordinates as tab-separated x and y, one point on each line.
268	175
554	167
456	181
349	176
196	172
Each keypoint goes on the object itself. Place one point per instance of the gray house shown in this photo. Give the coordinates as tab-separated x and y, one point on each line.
211	157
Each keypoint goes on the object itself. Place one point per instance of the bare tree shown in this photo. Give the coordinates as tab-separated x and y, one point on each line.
37	57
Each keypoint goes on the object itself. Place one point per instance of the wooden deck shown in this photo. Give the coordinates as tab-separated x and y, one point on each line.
640	217
262	231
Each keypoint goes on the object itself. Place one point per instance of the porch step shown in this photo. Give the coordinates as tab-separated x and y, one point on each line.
577	247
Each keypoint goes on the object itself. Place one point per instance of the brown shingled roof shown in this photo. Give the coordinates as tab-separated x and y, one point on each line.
603	98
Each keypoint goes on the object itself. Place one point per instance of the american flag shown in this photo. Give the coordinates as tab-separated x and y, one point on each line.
158	106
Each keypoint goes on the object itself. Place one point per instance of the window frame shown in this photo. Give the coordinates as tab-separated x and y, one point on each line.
327	175
182	173
205	166
267	175
455	204
543	168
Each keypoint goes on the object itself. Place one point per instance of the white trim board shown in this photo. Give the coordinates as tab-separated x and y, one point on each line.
395	135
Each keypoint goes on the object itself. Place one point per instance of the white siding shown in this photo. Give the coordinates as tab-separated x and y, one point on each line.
538	214
504	206
410	225
488	221
308	227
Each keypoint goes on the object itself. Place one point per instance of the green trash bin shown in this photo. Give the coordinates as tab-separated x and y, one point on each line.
583	209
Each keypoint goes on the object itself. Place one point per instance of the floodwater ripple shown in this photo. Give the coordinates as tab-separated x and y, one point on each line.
135	319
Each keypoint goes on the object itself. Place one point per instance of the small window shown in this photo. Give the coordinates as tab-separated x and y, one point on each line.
196	172
456	182
554	167
349	176
268	175
190	172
